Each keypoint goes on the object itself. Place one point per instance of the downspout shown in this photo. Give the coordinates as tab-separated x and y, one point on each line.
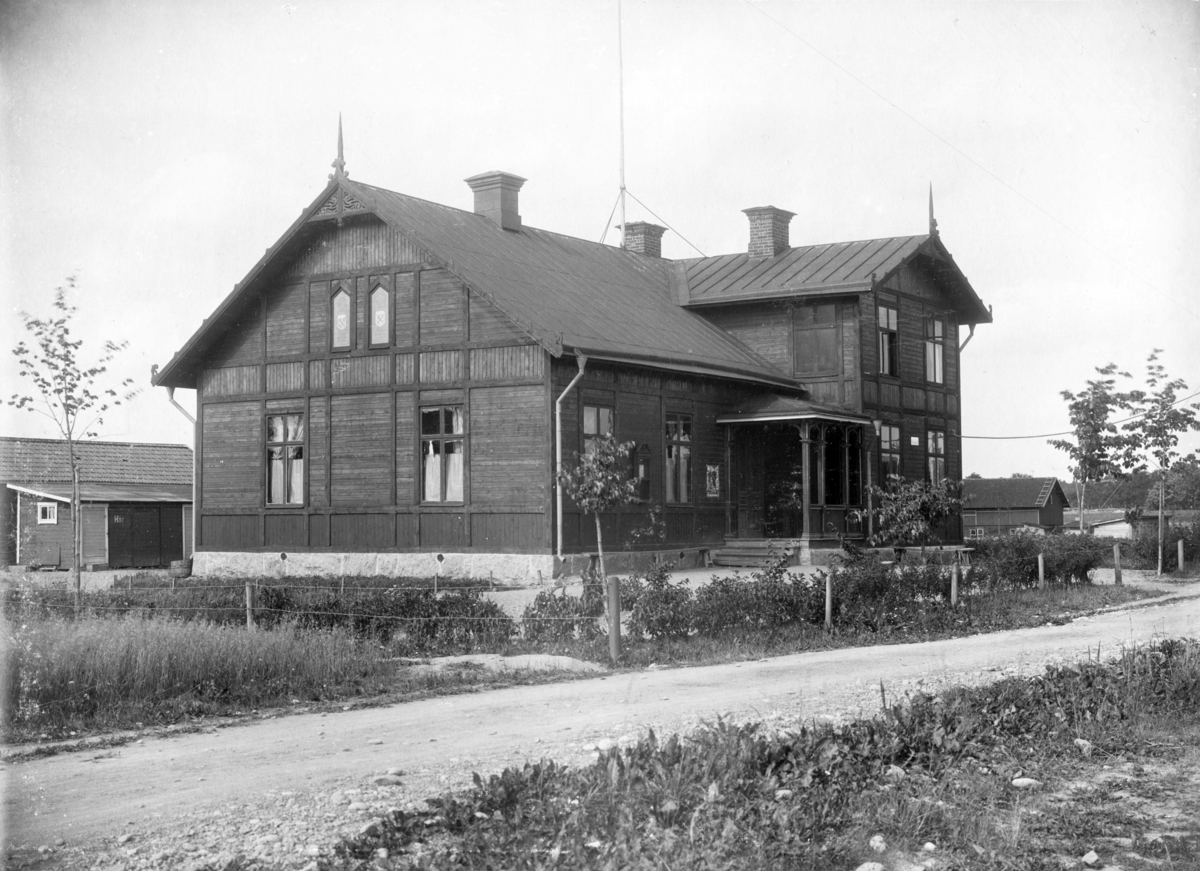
969	337
582	361
187	414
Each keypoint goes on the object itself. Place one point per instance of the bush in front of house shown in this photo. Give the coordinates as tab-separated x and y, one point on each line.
1142	551
1009	561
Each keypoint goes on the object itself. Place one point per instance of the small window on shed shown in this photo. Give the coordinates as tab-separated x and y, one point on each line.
342	321
380	316
47	512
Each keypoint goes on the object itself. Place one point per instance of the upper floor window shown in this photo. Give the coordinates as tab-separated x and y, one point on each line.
816	334
442	454
285	459
47	512
679	458
889	331
341	321
380	307
597	422
889	452
935	451
935	343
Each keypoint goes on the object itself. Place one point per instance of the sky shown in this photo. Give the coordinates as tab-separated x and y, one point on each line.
154	150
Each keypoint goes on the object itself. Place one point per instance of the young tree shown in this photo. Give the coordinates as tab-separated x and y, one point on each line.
1154	432
907	512
1099	450
600	482
67	391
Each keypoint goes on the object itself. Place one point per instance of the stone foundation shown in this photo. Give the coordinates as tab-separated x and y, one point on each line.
504	568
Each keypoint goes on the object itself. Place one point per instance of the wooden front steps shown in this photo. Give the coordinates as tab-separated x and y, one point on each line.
752	552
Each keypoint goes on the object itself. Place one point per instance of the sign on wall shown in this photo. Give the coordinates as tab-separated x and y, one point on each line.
712	480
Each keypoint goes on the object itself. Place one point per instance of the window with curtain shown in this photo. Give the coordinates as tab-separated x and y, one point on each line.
935	344
679	458
285	459
936	455
889	453
380	307
597	422
341	321
442	454
889	327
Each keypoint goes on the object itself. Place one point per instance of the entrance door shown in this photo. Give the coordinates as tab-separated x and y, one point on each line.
748	460
134	536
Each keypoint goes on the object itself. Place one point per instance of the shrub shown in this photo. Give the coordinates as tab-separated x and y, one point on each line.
555	616
1143	549
661	610
1073	557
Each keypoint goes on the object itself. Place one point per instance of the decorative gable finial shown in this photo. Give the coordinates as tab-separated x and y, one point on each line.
339	165
933	230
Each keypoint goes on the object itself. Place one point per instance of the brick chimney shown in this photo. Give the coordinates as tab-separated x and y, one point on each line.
768	230
644	238
496	197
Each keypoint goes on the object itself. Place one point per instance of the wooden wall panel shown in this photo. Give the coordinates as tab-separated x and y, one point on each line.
404	306
318	530
509	363
950	355
360	243
318	452
231	381
765	327
371	371
317	372
507	532
218	531
439	367
441	308
286	326
170	526
639	419
231	467
680	527
242	341
285	377
509	439
406	530
406	473
356	531
443	530
914	398
318	317
95	534
360	462
189	545
404	369
870	393
488	324
285	530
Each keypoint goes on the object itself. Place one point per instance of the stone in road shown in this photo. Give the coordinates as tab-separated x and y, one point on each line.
325	771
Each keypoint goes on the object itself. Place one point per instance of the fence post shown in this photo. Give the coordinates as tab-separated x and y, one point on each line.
614	619
954	570
249	605
1041	571
828	601
1179	546
1117	564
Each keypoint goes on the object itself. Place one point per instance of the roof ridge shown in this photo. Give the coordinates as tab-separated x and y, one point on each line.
808	247
25	439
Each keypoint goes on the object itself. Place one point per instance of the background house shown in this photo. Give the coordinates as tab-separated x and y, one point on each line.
994	506
391	388
136	503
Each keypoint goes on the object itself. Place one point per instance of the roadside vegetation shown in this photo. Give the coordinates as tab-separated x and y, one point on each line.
1061	770
152	655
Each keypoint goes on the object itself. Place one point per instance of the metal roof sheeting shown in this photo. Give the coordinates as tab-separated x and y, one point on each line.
61	491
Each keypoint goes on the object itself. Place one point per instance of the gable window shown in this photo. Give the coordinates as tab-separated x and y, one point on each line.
341	321
285	459
816	334
935	342
679	458
935	451
47	512
889	326
380	307
597	422
889	452
442	454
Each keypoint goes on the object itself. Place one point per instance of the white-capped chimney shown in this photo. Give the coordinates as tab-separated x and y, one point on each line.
642	237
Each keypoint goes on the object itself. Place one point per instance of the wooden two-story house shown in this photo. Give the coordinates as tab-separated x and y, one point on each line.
391	389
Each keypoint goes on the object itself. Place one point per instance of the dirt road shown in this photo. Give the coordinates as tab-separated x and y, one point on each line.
265	768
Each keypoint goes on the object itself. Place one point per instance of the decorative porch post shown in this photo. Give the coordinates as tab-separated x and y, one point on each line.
806	484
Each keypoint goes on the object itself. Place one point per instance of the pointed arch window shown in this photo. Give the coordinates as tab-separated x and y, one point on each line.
341	321
380	307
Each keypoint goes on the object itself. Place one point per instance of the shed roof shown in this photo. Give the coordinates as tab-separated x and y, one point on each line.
34	460
984	493
60	491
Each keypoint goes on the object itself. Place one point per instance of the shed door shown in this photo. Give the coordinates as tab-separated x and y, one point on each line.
134	536
120	536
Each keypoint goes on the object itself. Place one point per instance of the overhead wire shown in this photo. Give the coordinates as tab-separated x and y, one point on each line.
1047	435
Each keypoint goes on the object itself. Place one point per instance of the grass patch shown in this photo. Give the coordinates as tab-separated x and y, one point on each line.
937	770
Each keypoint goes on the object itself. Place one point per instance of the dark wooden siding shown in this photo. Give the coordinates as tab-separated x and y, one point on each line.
404	305
511	363
360	449
242	342
443	530
219	531
508	447
286	326
231	465
318	317
285	377
360	243
488	324
441	308
362	531
765	327
507	532
406	474
231	381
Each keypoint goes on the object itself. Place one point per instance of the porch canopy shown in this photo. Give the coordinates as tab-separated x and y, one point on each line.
771	407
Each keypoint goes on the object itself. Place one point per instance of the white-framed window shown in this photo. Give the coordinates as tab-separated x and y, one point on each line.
442	453
47	512
285	459
977	532
935	338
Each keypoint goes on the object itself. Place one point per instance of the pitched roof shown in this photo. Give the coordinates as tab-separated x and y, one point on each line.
566	293
826	269
45	460
984	493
